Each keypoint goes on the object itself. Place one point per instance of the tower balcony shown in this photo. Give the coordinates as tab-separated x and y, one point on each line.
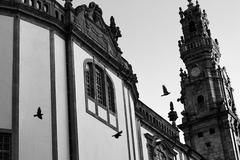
197	44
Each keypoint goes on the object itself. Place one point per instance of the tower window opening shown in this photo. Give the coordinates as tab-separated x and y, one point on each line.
57	14
200	134
62	18
200	100
208	144
192	26
211	130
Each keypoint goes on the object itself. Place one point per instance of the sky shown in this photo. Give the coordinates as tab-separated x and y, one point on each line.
150	32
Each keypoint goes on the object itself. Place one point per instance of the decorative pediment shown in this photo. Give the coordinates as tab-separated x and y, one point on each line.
89	20
159	148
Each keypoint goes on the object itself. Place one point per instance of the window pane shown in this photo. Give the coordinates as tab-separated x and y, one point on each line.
110	92
5	146
89	80
100	88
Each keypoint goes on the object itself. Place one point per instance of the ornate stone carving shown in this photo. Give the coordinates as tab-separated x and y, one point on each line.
116	33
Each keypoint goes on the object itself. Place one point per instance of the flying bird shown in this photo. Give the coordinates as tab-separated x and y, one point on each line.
118	134
165	91
39	113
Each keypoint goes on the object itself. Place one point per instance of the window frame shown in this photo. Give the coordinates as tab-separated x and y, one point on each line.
2	150
105	104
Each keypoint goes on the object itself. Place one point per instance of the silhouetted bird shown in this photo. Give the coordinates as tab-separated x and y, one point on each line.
39	113
165	91
118	134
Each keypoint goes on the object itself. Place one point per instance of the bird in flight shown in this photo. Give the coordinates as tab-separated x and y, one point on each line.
165	91
118	134
39	113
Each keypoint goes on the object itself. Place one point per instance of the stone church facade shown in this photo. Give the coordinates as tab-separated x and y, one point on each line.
67	93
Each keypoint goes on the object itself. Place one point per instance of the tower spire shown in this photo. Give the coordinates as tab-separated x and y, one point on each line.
206	92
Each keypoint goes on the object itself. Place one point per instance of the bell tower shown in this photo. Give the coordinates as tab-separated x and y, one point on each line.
210	123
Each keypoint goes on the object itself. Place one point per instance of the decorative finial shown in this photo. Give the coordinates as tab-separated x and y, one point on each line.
114	29
190	3
68	3
171	106
209	33
182	38
172	114
180	9
181	13
181	71
204	12
179	43
112	22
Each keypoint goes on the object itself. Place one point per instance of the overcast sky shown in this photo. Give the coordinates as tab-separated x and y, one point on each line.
150	31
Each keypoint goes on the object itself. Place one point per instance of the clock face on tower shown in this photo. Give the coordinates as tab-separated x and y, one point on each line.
195	71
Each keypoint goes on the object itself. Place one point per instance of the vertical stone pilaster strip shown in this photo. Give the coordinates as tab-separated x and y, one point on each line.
72	111
15	89
53	96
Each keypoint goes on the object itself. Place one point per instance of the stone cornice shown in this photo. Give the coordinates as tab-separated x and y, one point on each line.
151	119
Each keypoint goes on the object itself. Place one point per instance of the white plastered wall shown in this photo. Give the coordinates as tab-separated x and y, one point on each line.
61	99
95	137
6	66
35	135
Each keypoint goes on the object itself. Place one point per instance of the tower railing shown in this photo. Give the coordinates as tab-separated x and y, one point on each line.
207	42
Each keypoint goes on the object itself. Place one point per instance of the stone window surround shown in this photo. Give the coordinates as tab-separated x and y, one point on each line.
94	99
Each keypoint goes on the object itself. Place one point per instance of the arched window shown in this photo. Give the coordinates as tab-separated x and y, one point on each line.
99	89
192	26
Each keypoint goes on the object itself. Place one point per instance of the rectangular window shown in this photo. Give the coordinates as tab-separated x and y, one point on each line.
5	146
